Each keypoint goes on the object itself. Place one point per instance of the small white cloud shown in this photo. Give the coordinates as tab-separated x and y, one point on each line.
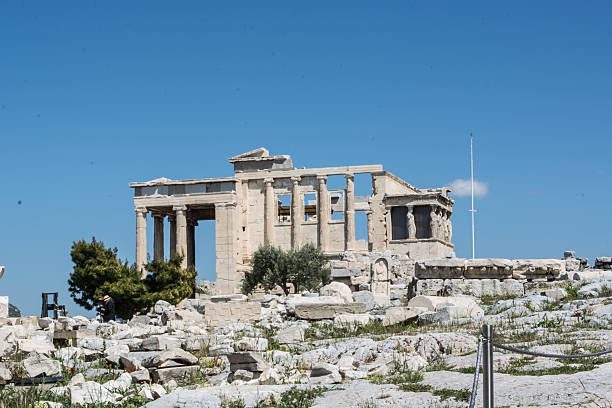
463	188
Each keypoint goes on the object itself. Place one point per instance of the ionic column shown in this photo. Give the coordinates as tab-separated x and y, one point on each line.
269	211
172	221
349	214
324	214
141	240
297	205
158	236
181	233
191	242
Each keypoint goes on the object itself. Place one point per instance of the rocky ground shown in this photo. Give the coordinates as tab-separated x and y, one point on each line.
333	349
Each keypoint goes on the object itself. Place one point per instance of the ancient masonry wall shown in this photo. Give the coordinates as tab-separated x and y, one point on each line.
401	277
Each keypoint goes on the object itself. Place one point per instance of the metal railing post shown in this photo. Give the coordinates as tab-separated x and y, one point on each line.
487	366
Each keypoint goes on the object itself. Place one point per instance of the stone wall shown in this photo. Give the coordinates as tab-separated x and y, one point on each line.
219	314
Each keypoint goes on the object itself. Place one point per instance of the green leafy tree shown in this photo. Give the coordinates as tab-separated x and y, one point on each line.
94	265
305	268
97	272
168	281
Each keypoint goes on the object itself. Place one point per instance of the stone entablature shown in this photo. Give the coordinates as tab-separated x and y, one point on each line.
490	268
268	200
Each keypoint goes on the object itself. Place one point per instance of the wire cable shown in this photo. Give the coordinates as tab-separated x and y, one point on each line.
476	372
538	354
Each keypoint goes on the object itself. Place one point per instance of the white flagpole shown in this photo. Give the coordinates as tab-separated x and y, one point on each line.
472	180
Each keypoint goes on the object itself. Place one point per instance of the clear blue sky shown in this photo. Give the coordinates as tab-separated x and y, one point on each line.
94	95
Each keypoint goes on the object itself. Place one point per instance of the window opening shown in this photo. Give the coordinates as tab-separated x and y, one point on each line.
283	202
310	207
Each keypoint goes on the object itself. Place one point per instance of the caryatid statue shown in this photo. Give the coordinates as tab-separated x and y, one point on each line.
433	223
410	224
449	227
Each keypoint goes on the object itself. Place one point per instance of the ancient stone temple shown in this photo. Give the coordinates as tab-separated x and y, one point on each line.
269	200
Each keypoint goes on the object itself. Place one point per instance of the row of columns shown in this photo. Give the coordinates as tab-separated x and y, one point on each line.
182	236
297	212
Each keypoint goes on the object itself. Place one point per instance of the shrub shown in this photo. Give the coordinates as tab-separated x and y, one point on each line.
301	269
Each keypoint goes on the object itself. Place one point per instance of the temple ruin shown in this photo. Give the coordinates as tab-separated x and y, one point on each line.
268	200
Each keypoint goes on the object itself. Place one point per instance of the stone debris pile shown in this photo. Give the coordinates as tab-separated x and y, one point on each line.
255	349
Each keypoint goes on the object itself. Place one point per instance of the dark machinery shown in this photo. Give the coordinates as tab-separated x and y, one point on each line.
58	310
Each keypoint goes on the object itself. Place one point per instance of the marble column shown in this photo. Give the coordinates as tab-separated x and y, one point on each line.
324	213
158	236
181	233
349	214
297	217
141	240
269	216
172	222
191	224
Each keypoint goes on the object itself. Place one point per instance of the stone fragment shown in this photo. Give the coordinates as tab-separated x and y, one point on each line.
162	306
176	354
158	391
491	268
5	374
180	373
546	269
161	342
120	385
290	335
113	353
249	361
395	315
339	290
366	297
140	320
228	298
223	313
293	301
91	392
40	345
556	294
441	268
591	274
186	315
129	363
603	262
37	365
326	311
595	289
325	373
466	306
251	344
140	376
199	305
242	375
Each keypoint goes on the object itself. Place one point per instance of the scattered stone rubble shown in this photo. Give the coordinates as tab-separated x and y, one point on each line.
204	350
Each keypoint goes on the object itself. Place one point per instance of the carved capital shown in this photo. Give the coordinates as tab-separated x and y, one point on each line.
268	181
295	180
179	208
140	210
322	179
349	176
